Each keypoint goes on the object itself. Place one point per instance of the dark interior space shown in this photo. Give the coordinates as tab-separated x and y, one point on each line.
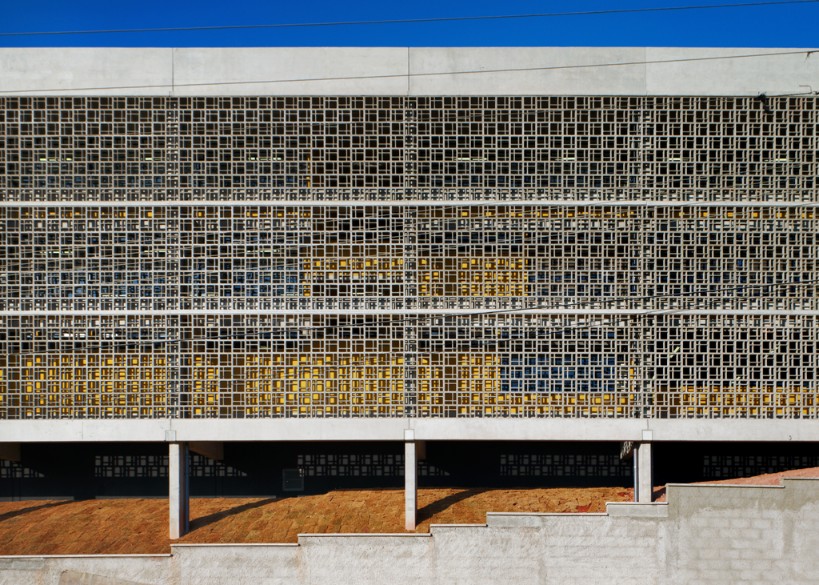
685	462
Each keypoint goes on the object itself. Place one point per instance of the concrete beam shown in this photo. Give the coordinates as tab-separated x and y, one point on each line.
211	449
410	480
10	452
178	490
392	429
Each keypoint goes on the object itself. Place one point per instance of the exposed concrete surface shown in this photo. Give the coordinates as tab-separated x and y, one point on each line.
688	71
178	490
643	473
407	71
410	481
77	578
142	72
745	534
425	429
292	71
527	71
86	570
705	534
236	565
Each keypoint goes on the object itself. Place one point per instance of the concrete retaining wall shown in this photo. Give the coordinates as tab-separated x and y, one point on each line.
705	534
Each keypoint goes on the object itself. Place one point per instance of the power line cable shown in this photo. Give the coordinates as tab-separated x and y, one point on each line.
805	52
409	20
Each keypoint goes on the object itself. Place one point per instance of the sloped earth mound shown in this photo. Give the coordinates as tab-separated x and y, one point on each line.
117	526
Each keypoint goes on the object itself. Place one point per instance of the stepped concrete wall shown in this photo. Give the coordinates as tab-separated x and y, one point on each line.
705	534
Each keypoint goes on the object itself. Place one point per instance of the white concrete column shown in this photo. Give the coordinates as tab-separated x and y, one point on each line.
178	495
410	480
643	480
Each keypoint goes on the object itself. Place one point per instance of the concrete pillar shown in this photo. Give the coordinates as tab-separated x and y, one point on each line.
643	480
410	480
178	495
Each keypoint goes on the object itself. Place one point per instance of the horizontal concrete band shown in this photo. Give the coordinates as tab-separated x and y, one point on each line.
436	312
408	71
393	429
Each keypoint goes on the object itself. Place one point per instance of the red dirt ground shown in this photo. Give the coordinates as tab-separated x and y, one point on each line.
133	525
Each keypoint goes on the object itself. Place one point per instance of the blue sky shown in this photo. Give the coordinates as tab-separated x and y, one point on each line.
791	25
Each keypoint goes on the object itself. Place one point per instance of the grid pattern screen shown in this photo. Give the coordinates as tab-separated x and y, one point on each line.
408	256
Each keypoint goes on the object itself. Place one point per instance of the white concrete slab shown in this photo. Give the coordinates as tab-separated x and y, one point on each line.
384	71
528	71
291	71
392	429
86	71
679	71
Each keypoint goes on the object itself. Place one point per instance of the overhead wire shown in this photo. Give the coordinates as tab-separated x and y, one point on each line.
410	20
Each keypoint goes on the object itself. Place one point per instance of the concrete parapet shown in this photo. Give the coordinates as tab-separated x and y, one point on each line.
87	570
405	71
524	520
236	564
630	510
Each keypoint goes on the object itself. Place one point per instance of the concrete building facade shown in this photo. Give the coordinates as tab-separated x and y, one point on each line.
205	245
